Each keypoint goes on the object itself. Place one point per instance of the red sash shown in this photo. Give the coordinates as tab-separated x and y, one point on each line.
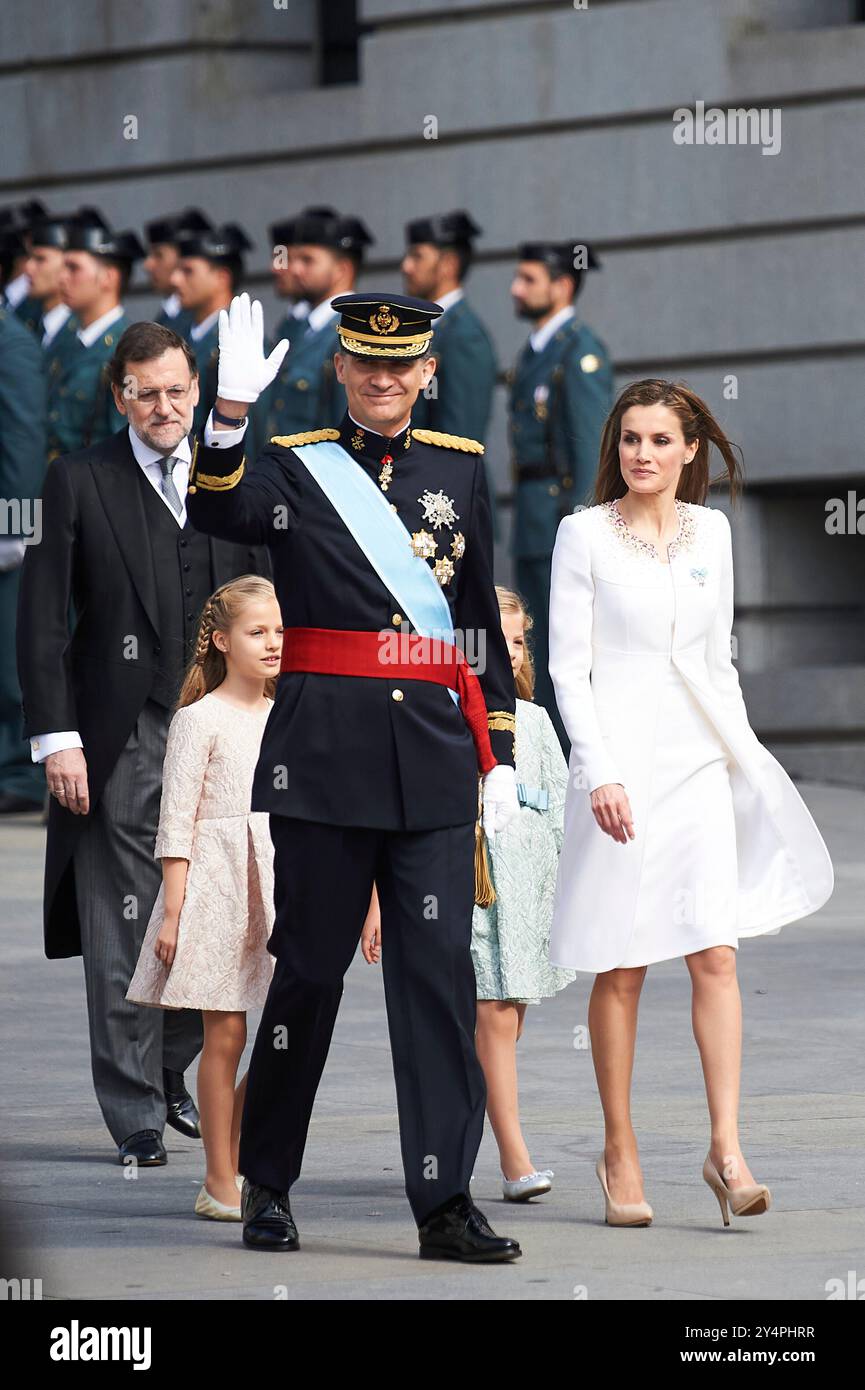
333	652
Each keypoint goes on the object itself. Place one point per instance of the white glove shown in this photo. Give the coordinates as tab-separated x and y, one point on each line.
244	371
500	799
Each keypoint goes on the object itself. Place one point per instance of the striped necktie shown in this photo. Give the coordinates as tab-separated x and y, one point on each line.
169	491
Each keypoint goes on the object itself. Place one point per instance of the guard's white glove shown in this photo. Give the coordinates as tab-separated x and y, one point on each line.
500	801
244	371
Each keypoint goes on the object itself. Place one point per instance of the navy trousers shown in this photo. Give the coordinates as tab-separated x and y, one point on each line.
324	876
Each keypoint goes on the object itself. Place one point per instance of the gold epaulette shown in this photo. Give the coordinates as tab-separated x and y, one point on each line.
501	719
448	441
288	441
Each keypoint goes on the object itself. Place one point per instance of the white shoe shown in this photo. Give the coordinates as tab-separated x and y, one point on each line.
205	1205
532	1185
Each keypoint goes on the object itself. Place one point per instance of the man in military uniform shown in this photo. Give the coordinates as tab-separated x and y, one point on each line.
96	267
325	256
369	767
208	271
161	263
16	222
285	281
459	399
22	463
561	391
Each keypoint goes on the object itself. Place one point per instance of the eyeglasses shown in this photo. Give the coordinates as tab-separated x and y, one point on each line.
150	396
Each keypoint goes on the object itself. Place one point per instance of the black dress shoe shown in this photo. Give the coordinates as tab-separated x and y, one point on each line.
458	1231
180	1109
267	1220
146	1147
12	805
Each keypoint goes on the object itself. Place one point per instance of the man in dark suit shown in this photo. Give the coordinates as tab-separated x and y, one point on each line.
369	765
117	548
22	463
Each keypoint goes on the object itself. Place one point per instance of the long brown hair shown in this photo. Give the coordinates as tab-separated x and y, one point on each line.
697	422
511	602
207	669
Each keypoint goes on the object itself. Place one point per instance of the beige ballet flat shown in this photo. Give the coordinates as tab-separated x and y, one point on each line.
622	1213
752	1200
205	1205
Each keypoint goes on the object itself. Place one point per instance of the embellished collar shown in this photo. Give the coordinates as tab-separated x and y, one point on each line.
366	444
682	540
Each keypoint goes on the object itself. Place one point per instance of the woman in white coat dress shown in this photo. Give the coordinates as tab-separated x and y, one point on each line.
682	833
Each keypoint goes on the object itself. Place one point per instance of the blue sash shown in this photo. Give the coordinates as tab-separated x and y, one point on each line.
383	538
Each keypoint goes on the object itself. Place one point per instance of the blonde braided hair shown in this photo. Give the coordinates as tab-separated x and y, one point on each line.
207	669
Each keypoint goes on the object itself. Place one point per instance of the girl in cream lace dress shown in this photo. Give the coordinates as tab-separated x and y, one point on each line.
206	942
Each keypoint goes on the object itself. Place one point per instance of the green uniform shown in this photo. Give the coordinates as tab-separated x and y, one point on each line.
460	398
559	400
22	464
62	346
306	394
206	351
29	311
181	322
81	408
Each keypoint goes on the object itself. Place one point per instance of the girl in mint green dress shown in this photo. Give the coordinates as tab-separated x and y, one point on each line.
510	938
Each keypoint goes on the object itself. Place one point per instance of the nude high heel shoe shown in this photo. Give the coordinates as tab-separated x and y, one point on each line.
622	1213
752	1200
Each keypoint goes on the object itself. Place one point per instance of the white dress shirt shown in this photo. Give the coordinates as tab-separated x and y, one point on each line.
198	330
452	297
17	290
321	315
93	332
171	305
541	336
54	319
42	745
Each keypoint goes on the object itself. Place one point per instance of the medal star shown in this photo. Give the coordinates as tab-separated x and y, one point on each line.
438	509
423	544
444	570
458	545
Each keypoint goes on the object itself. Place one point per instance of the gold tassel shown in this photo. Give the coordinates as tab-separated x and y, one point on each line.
485	893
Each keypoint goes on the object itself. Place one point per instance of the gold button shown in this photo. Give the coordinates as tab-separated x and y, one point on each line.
396	695
192	488
302	384
279	404
36	743
553	491
396	619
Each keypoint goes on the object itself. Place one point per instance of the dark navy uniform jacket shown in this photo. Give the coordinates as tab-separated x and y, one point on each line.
367	750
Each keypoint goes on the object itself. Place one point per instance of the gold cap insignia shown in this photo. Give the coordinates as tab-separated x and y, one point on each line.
384	320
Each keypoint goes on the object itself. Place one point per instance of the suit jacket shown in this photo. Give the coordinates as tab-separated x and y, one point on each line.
618	618
367	750
95	557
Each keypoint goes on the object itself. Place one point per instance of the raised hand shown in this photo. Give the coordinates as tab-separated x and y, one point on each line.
244	371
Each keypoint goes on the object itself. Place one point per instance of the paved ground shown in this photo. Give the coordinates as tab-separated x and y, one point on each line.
71	1218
